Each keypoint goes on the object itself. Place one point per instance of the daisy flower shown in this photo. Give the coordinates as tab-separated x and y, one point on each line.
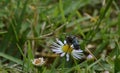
38	61
65	49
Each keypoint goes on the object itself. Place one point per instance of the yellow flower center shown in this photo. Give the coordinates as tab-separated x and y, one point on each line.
67	48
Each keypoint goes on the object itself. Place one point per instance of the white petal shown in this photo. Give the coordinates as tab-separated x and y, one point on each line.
79	50
67	57
57	51
53	47
62	54
55	44
76	54
60	42
65	42
56	48
72	46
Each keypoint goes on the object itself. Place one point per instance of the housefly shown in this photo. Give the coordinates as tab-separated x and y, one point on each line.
72	40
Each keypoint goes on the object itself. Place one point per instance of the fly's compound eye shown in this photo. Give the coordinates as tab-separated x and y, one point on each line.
76	44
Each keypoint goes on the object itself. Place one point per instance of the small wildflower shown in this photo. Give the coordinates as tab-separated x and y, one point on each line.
106	71
38	61
65	49
90	57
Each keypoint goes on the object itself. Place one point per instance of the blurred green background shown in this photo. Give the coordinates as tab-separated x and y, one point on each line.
28	28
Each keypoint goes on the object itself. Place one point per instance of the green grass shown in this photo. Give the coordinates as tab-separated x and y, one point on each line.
28	28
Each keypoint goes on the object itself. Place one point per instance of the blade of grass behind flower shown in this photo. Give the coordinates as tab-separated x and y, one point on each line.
101	47
103	12
54	65
117	59
11	58
11	38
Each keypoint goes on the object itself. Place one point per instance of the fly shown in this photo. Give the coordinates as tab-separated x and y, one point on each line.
72	40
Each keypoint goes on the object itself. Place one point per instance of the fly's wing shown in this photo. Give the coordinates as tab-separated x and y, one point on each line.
76	43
